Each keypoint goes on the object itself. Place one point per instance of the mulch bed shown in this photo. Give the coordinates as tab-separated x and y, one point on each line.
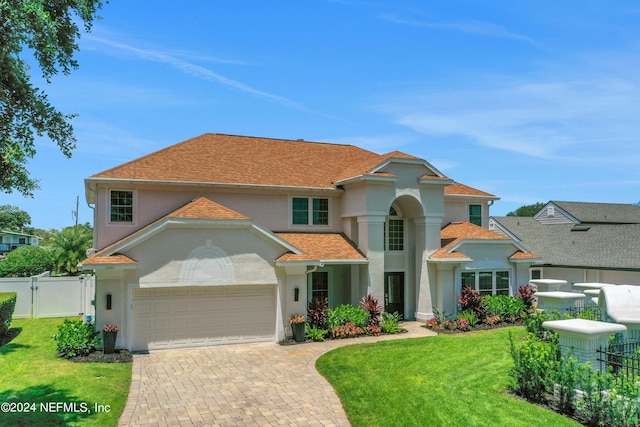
119	356
291	341
478	327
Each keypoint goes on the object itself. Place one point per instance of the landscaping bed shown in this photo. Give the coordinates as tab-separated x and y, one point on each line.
98	356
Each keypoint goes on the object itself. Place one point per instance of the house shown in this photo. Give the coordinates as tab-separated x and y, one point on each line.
220	238
580	242
10	240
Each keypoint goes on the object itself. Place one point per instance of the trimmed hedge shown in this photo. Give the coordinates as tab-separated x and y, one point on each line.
7	305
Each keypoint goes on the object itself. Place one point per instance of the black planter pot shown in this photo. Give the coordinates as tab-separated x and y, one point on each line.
298	331
109	342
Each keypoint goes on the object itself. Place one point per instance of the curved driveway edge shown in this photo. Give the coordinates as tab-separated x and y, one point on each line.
237	385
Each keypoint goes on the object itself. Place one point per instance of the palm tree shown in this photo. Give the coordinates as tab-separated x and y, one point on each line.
70	247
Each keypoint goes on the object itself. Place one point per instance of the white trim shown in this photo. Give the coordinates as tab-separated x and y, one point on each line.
310	223
134	208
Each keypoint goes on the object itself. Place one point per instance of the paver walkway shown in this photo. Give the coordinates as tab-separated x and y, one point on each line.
239	385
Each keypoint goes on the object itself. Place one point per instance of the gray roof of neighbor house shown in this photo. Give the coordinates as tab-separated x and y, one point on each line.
606	213
587	245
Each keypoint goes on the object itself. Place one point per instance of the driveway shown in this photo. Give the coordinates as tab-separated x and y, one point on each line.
238	385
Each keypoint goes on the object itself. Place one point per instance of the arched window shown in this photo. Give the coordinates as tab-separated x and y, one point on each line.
394	231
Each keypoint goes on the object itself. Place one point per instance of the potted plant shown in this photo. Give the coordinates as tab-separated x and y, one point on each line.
297	322
109	333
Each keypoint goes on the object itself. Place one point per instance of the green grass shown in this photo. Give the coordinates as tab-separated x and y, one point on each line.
31	373
448	380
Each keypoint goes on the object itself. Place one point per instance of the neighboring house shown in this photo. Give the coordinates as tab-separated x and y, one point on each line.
580	242
220	238
10	240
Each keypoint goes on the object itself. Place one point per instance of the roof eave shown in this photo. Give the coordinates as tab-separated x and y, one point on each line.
129	181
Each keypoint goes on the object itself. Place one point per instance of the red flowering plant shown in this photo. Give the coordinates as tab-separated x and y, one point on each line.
110	328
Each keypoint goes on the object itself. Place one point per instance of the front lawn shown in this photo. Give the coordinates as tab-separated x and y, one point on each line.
448	380
44	390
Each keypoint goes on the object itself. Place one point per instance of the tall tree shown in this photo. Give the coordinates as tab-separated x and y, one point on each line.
48	29
527	210
12	218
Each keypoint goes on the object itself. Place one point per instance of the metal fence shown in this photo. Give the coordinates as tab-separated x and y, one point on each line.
622	357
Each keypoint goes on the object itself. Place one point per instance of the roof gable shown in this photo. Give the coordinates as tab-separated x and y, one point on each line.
457	233
603	213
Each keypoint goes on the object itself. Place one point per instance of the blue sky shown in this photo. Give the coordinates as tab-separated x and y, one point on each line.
529	100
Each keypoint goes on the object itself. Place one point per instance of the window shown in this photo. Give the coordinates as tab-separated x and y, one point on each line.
475	214
486	282
536	274
320	211
121	206
394	231
300	211
22	240
319	286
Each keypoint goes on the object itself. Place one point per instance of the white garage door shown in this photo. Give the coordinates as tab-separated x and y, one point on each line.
197	316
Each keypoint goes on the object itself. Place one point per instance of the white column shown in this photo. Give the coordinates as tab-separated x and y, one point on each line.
427	236
371	235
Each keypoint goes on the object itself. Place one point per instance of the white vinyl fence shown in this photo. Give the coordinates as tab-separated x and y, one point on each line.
43	296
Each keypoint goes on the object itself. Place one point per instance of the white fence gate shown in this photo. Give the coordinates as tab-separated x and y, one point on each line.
43	296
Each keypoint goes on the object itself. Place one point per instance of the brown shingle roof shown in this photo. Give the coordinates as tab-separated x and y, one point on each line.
243	160
455	232
458	189
320	246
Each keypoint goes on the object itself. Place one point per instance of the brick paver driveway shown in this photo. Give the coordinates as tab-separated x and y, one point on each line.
236	385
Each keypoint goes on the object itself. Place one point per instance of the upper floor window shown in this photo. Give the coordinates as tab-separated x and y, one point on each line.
302	215
394	231
121	206
475	214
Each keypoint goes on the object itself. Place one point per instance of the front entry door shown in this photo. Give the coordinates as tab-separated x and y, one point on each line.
394	293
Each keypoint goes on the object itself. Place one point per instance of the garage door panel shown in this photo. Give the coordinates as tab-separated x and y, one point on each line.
201	316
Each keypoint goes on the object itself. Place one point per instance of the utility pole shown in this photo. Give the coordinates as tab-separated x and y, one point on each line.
75	213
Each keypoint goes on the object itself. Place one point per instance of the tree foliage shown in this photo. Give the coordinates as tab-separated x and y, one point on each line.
49	30
70	247
527	210
26	261
12	218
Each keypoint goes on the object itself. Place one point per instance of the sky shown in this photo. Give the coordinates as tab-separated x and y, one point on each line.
530	100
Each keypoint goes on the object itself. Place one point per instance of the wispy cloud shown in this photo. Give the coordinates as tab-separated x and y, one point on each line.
198	71
480	28
578	121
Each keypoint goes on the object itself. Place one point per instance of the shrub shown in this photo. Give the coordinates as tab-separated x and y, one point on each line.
345	314
7	305
463	324
471	300
533	368
506	307
433	323
390	322
348	330
370	304
373	330
470	316
533	323
526	294
492	320
314	333
75	338
318	313
26	261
